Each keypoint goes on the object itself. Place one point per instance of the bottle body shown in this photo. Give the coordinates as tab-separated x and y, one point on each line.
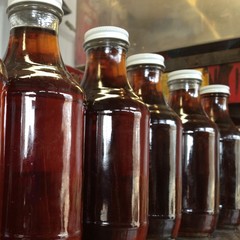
3	88
165	177
215	104
116	177
165	152
44	138
200	176
200	185
116	149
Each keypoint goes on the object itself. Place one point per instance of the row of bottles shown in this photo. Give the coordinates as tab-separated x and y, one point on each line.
210	150
152	168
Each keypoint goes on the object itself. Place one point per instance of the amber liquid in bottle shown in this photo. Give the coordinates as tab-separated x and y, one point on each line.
44	135
116	151
215	105
165	154
3	80
199	165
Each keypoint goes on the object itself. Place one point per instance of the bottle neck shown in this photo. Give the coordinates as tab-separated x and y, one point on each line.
216	106
147	84
105	65
33	36
184	97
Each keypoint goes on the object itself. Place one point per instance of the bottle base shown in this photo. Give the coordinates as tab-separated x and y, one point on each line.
197	225
99	232
38	237
229	219
160	228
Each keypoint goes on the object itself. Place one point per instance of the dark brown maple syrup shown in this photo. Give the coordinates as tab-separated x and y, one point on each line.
44	133
214	100
200	167
116	151
3	82
144	73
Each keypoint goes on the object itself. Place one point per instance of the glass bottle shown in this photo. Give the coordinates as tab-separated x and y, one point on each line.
116	152
3	82
214	99
200	169
144	73
44	129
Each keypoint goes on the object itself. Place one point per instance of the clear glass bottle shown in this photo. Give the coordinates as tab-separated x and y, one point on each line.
200	169
44	129
214	99
116	152
144	73
3	88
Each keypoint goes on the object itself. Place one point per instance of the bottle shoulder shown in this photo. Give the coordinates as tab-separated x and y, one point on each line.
198	122
114	99
3	72
228	131
163	114
42	78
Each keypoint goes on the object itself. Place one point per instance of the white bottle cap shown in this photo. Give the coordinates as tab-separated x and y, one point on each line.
145	58
106	32
56	3
185	74
215	88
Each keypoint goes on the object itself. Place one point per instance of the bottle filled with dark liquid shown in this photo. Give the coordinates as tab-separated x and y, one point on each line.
3	83
116	151
200	166
144	73
44	129
214	99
